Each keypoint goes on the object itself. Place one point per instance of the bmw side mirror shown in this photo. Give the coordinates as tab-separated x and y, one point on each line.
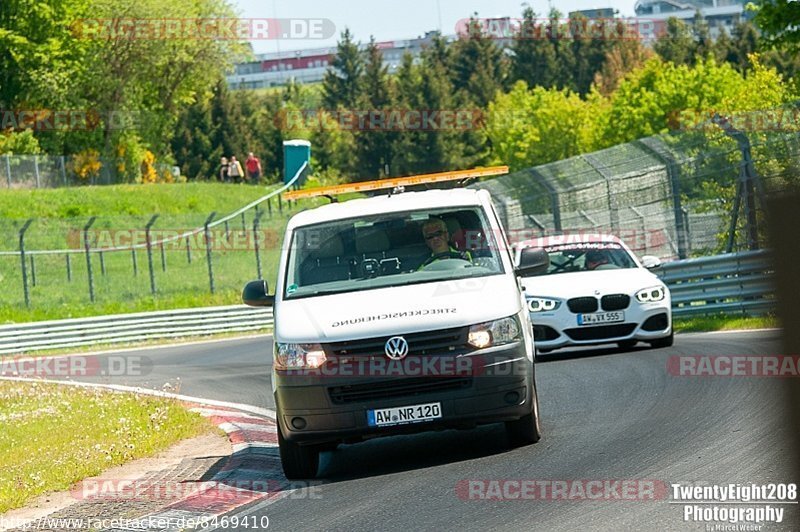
532	261
255	294
651	261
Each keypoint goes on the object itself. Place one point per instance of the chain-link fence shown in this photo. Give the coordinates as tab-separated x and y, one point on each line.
690	193
53	171
119	263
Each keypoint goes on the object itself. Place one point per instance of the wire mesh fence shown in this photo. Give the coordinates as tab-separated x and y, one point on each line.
53	171
117	262
689	193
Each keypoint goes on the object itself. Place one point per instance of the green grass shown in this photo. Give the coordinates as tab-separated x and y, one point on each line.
127	200
127	208
724	323
52	436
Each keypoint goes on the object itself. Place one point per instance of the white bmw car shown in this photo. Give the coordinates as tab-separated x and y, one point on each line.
596	291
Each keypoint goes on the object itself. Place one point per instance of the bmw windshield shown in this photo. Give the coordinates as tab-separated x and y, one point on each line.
390	250
588	256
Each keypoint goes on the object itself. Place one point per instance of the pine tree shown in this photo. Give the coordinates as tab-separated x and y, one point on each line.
478	66
342	82
374	150
677	44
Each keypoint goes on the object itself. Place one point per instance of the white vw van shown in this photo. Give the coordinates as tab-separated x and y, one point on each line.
377	333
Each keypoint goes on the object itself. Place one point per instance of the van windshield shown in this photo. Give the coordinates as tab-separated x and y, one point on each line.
390	250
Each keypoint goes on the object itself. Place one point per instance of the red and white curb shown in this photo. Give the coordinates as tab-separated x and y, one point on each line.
252	473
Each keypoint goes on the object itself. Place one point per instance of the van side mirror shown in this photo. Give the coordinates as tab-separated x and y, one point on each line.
255	294
651	261
532	261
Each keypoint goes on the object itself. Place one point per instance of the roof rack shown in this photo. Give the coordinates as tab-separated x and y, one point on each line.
396	184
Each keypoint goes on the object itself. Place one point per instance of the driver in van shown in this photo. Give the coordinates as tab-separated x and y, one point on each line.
437	238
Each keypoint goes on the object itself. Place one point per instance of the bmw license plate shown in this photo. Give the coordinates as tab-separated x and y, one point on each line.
600	318
402	415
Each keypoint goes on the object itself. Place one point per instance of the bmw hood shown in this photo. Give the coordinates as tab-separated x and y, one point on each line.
575	284
396	310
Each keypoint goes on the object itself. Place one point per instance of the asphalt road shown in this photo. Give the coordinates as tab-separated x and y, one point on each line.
607	415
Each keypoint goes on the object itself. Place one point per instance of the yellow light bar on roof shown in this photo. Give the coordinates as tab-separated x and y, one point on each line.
392	182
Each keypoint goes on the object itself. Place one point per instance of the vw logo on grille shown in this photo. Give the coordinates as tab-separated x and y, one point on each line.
396	348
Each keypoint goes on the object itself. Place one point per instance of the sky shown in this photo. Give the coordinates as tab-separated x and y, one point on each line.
389	20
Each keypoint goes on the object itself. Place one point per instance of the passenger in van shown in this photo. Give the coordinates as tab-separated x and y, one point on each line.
437	238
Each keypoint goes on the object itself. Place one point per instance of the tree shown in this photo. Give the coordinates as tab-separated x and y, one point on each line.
704	44
342	82
676	45
532	127
620	60
534	58
39	56
780	20
478	66
374	146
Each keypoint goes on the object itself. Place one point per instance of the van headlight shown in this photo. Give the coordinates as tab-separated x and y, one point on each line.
498	332
652	294
542	304
299	356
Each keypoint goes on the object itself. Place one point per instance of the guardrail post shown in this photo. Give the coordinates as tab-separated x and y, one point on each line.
208	251
8	169
256	221
188	250
33	270
63	170
280	204
22	259
244	224
87	248
102	264
135	265
36	171
150	253
269	206
227	232
69	267
163	258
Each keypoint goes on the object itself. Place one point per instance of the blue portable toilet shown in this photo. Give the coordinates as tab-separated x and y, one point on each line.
295	153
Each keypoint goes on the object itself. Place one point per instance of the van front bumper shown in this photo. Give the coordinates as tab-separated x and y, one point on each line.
334	408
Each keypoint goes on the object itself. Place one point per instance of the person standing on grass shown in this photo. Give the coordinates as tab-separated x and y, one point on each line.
253	166
235	171
224	166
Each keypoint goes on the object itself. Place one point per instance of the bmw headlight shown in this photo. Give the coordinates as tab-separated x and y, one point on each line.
542	304
299	356
498	332
652	294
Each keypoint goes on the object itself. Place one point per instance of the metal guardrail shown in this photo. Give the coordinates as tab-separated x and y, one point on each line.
58	334
734	283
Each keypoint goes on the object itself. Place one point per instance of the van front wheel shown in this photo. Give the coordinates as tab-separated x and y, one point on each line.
525	430
299	461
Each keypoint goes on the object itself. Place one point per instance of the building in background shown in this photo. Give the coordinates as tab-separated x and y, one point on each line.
598	13
717	13
309	66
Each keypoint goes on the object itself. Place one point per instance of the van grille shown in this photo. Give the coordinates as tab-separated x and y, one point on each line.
439	342
395	388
